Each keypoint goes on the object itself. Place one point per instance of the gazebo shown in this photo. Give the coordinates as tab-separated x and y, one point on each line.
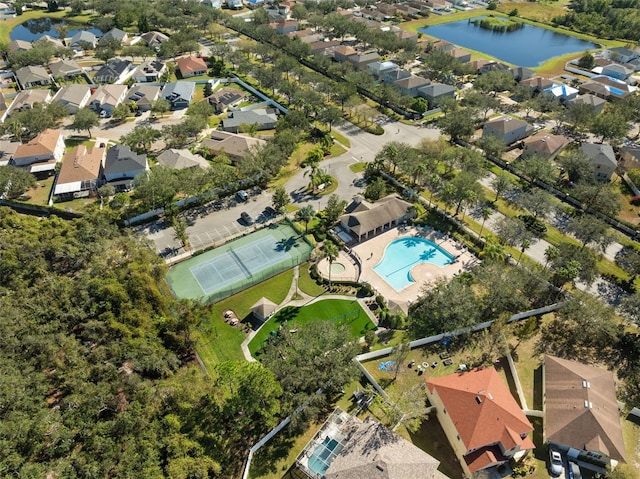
263	309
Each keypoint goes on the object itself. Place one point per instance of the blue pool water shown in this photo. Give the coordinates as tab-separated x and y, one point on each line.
615	91
322	456
403	254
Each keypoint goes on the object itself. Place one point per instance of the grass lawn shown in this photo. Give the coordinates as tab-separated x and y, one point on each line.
217	341
341	138
431	439
328	309
358	167
308	285
79	205
40	194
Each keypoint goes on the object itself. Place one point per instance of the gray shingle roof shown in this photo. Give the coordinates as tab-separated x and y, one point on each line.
120	159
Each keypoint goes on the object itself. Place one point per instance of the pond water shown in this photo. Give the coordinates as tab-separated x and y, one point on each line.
527	47
34	29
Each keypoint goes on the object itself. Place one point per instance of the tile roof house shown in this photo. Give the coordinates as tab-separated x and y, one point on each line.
347	448
362	59
143	96
602	157
594	101
191	66
78	41
149	71
264	119
179	94
319	48
31	76
460	54
376	69
581	413
508	129
74	97
481	419
26	99
364	219
409	86
225	98
434	93
122	165
64	68
607	87
80	173
233	145
154	39
343	52
115	34
181	159
107	97
113	71
544	144
41	154
406	35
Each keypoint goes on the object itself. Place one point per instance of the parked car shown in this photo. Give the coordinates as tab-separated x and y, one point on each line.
555	463
246	217
269	212
242	196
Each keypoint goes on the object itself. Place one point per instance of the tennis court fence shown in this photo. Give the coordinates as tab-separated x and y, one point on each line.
260	276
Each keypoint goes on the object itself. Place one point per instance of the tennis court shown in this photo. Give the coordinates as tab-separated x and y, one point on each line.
239	264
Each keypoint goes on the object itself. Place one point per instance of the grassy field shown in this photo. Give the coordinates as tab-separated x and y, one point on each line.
216	340
39	195
308	285
325	310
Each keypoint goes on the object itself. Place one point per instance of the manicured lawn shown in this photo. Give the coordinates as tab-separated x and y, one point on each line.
40	194
326	310
217	341
358	167
308	285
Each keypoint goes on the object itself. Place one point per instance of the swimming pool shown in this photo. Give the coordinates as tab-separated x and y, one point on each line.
322	455
403	254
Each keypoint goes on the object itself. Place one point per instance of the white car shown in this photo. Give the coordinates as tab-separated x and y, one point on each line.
556	466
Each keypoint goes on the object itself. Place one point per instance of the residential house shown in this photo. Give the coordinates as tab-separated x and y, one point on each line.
442	45
234	4
544	145
303	33
376	16
114	35
179	94
233	145
607	87
522	73
286	26
581	416
392	76
154	39
364	220
321	47
361	60
434	93
508	129
226	98
561	92
629	158
107	97
26	99
56	42
83	40
7	150
620	54
377	69
409	86
143	96
19	45
73	97
64	69
113	72
122	165
493	66
346	447
262	118
406	35
481	419
7	10
341	53
387	8
41	154
181	159
602	158
81	172
149	71
478	65
191	66
439	5
617	71
595	102
31	76
460	54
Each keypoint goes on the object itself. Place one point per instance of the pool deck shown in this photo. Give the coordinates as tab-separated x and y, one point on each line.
372	251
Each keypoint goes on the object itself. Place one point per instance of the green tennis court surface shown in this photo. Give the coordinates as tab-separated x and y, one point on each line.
239	264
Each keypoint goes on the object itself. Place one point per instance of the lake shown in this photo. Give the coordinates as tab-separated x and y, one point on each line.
527	47
34	29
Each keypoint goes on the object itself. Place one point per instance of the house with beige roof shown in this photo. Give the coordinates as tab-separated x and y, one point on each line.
409	86
346	447
593	101
65	69
544	145
581	416
481	419
73	97
364	220
32	75
143	95
27	99
154	39
181	159
19	45
233	145
107	97
191	66
81	172
508	129
226	98
149	71
603	159
41	154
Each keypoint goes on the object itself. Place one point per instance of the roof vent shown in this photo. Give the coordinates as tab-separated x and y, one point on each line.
379	467
586	385
490	396
479	400
588	404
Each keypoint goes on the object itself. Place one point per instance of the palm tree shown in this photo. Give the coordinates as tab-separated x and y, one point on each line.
494	252
330	251
525	245
550	254
305	215
312	160
486	212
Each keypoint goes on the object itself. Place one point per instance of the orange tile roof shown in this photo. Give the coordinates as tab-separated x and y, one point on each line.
81	164
482	409
191	64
